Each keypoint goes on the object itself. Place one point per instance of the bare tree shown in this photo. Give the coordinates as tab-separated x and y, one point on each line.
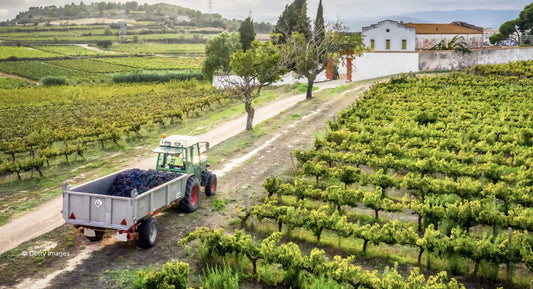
310	57
253	69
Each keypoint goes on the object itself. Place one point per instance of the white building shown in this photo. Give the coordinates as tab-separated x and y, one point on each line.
389	35
487	33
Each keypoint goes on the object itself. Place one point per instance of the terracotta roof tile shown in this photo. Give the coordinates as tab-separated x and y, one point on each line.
430	28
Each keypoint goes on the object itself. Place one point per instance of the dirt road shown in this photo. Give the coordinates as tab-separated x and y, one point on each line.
47	216
3	74
243	175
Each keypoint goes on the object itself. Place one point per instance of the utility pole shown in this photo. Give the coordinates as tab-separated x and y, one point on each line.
122	35
210	7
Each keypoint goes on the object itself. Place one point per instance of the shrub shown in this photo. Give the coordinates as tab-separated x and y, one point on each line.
172	275
104	43
272	275
324	284
53	80
218	204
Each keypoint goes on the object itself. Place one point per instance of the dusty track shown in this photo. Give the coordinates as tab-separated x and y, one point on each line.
244	174
3	74
48	217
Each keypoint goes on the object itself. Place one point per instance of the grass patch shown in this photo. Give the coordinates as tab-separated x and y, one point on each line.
95	165
302	87
218	205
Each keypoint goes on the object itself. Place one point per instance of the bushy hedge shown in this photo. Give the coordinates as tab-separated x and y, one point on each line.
104	43
54	80
148	76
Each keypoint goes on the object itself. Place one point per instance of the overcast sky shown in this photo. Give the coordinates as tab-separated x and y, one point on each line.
269	10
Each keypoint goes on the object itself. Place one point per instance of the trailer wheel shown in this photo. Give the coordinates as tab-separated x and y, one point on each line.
211	186
191	200
147	233
98	236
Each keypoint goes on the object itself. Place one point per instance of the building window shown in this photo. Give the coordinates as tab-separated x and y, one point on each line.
404	44
372	44
387	44
388	30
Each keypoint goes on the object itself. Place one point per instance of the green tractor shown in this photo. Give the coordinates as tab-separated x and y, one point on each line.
183	155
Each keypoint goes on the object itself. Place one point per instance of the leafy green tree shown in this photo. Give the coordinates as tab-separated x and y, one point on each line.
523	23
218	52
506	29
257	68
247	33
293	19
108	31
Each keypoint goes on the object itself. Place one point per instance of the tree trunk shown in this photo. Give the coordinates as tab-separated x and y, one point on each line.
310	83
365	244
250	110
476	267
254	264
39	170
420	252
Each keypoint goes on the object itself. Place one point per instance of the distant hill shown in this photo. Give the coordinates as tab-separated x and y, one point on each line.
480	17
172	15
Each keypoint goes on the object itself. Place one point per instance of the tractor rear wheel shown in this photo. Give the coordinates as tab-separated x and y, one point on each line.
191	200
211	186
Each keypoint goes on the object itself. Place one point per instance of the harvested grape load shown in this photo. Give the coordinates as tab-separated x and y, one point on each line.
138	179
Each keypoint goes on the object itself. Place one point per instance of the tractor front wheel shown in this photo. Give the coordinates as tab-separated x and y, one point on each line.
211	186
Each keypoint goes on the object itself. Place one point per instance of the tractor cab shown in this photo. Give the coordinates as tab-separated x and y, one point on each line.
182	154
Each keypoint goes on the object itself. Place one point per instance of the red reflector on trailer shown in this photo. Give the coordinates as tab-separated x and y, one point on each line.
124	223
72	216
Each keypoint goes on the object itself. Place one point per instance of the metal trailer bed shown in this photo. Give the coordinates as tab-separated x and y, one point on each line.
88	207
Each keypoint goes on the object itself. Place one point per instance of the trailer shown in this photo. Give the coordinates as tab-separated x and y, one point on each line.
90	208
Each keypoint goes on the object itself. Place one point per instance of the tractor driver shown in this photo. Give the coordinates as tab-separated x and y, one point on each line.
176	161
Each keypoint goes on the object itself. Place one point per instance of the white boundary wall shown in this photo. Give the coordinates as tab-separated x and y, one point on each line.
449	60
289	78
379	64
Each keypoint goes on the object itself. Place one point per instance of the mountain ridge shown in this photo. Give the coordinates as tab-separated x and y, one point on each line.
486	18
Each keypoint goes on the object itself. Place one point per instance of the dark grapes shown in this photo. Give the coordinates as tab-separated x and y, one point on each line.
138	179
